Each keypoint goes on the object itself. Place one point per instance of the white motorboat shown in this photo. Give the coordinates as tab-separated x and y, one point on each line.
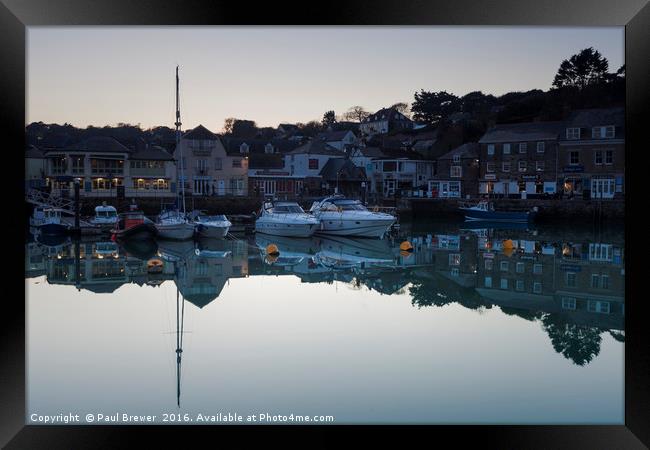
105	216
286	219
211	226
174	225
344	253
345	217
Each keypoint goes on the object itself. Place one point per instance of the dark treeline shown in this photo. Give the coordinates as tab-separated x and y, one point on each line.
582	81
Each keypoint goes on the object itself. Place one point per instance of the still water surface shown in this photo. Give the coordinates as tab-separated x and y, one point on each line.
461	330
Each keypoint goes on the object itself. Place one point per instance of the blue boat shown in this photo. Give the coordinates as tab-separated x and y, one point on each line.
484	211
48	221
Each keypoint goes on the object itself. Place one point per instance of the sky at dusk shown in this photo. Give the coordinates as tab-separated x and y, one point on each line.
105	75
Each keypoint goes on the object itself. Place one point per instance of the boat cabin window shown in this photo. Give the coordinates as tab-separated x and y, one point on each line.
352	206
287	209
106	213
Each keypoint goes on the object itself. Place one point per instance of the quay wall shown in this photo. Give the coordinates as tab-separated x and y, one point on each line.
549	210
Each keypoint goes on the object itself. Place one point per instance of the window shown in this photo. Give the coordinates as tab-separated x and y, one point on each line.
537	269
456	158
537	287
490	167
600	252
574	158
106	166
488	264
541	147
523	147
598	157
505	166
456	171
236	162
602	132
488	282
455	272
77	164
218	164
523	166
604	281
603	187
519	286
595	280
573	133
609	157
506	149
504	266
568	303
490	149
454	259
504	283
313	164
598	307
520	267
539	166
202	165
571	279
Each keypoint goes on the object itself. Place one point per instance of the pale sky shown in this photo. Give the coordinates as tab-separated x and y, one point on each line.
105	75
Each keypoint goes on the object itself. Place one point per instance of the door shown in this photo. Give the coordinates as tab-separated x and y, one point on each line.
221	187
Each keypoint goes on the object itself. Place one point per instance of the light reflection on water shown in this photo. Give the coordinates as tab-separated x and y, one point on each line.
463	329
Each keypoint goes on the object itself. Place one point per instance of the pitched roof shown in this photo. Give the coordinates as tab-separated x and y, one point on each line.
587	118
514	132
233	145
467	150
371	152
342	168
152	153
200	133
387	114
33	152
317	147
102	144
394	153
330	136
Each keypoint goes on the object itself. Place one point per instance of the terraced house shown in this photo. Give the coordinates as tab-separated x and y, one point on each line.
520	158
106	168
592	153
207	168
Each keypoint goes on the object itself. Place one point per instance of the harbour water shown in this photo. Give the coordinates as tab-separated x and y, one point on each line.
475	325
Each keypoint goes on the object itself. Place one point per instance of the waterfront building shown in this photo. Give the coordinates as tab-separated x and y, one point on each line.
592	153
404	175
456	173
35	166
106	168
518	158
208	169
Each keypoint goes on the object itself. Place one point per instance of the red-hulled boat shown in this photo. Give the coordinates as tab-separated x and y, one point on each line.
134	225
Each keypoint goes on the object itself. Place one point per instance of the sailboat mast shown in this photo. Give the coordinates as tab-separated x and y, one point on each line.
178	141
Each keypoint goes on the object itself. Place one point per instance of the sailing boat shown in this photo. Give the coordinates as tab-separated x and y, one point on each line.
174	224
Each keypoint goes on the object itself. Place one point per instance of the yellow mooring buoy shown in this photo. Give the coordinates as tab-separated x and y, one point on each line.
508	243
406	246
272	250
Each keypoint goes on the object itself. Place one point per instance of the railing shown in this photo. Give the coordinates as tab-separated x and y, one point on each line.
42	198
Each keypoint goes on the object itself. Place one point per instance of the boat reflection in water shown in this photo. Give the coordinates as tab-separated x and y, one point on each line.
571	283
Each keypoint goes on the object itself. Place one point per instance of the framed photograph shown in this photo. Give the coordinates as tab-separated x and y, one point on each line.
404	216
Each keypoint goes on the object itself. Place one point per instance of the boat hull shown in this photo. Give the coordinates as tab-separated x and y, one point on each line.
286	229
211	231
497	216
53	229
177	231
372	228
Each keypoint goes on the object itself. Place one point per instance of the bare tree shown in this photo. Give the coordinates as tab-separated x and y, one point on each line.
402	108
356	113
228	125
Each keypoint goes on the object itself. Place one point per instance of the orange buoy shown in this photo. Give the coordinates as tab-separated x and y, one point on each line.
272	250
406	246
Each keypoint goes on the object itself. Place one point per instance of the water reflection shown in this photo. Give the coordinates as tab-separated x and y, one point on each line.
571	283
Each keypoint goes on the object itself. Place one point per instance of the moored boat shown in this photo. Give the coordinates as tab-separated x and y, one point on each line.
47	221
485	211
105	217
286	219
174	225
210	226
345	217
133	225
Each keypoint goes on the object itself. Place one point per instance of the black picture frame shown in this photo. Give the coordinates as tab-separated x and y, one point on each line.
16	15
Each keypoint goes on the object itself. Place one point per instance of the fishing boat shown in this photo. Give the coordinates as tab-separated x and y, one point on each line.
210	226
286	219
134	225
174	225
47	221
485	211
105	216
345	217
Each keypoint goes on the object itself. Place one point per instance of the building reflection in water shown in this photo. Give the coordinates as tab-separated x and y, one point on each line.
572	284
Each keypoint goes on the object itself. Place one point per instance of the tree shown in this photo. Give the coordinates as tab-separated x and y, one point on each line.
356	113
329	119
311	128
402	108
244	129
477	103
433	107
578	343
581	70
228	125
